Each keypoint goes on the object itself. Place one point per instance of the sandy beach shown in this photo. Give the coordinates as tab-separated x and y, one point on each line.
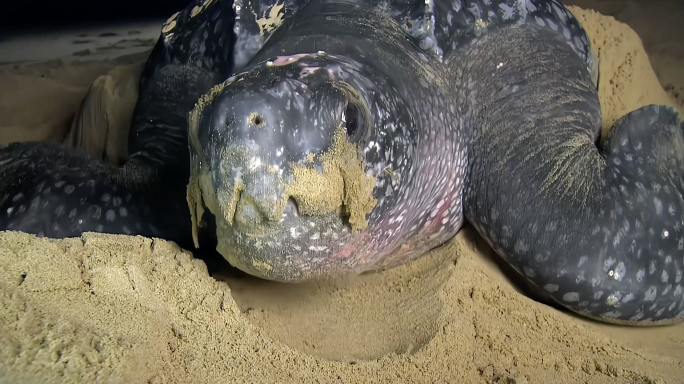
123	309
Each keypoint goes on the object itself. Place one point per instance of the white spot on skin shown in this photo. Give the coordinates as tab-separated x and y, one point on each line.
506	11
640	274
658	205
106	198
35	203
650	294
551	287
96	211
582	260
608	263
612	314
529	272
110	215
628	297
571	297
664	277
677	291
552	24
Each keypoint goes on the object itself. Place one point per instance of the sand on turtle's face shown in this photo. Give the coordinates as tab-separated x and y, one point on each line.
105	308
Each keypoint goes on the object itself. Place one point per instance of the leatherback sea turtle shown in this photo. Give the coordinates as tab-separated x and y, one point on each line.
330	137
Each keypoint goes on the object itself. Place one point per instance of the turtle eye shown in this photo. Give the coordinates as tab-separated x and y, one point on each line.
351	119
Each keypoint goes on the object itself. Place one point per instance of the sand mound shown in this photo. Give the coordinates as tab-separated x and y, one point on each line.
105	308
627	80
42	101
659	24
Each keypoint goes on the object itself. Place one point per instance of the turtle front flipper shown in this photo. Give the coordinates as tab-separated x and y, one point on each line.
49	190
57	192
597	230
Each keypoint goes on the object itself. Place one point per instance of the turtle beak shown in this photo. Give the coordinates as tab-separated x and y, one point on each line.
260	202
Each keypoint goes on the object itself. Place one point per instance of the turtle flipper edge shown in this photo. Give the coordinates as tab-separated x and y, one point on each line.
601	232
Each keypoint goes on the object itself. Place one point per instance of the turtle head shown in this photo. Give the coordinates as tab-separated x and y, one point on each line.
277	158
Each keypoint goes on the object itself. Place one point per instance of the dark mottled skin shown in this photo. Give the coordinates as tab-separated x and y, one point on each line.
485	111
597	230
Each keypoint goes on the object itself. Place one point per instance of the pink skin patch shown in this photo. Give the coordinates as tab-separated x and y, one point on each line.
436	222
345	252
284	60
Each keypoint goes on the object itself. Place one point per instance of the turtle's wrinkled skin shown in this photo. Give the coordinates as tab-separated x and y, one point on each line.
341	136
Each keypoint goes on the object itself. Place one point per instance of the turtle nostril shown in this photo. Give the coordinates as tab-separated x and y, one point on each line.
256	120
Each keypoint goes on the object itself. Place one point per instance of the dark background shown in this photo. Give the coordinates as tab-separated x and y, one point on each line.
56	14
59	14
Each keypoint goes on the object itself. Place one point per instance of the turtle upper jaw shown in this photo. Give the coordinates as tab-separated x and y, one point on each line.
294	249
